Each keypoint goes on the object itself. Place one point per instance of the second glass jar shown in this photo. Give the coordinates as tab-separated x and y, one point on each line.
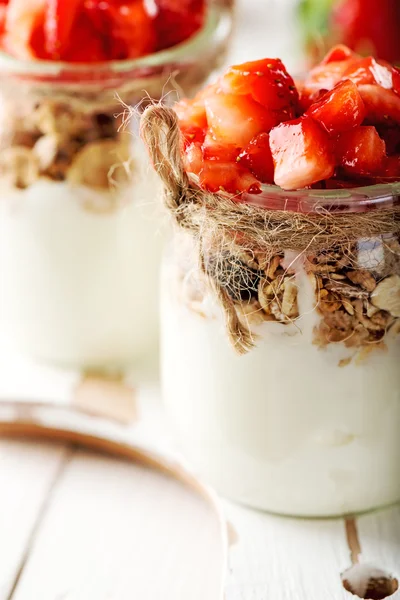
81	234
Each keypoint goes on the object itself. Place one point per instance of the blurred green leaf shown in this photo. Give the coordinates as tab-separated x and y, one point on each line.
314	16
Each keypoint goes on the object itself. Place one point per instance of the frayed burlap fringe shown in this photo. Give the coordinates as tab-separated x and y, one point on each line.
225	225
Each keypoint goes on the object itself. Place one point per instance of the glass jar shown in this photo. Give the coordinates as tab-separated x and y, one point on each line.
80	233
307	423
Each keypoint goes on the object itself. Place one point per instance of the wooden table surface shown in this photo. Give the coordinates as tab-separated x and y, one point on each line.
79	525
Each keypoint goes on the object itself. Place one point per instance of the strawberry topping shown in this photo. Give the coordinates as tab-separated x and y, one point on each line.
177	20
340	109
96	30
225	176
337	54
326	76
236	120
257	157
58	23
267	82
302	153
361	151
125	28
382	105
338	127
391	167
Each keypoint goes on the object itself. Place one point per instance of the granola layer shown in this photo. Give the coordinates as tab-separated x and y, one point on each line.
355	292
55	139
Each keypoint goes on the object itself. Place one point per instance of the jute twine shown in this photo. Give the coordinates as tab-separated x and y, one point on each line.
223	225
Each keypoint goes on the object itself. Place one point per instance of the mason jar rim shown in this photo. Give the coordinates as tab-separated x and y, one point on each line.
351	199
217	27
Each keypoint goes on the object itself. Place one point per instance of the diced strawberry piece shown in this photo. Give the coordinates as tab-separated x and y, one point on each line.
22	20
236	120
370	71
360	151
192	135
302	153
230	177
191	113
257	158
37	42
396	79
391	137
340	109
381	105
307	97
214	150
3	14
326	76
193	158
59	19
391	168
337	54
86	45
196	157
177	20
208	90
267	82
125	26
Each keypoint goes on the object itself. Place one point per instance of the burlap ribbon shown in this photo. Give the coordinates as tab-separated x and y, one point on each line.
222	224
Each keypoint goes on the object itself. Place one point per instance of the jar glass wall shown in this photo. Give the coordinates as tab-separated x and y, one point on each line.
306	423
81	233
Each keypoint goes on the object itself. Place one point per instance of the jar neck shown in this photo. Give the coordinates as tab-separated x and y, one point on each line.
331	201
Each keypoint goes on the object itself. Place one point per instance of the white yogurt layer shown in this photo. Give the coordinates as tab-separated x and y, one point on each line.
79	287
283	428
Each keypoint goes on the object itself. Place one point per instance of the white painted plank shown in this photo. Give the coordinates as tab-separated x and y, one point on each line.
119	531
23	379
27	473
379	534
278	558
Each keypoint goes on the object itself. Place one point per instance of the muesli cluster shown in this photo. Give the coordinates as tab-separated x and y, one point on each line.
57	140
356	305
